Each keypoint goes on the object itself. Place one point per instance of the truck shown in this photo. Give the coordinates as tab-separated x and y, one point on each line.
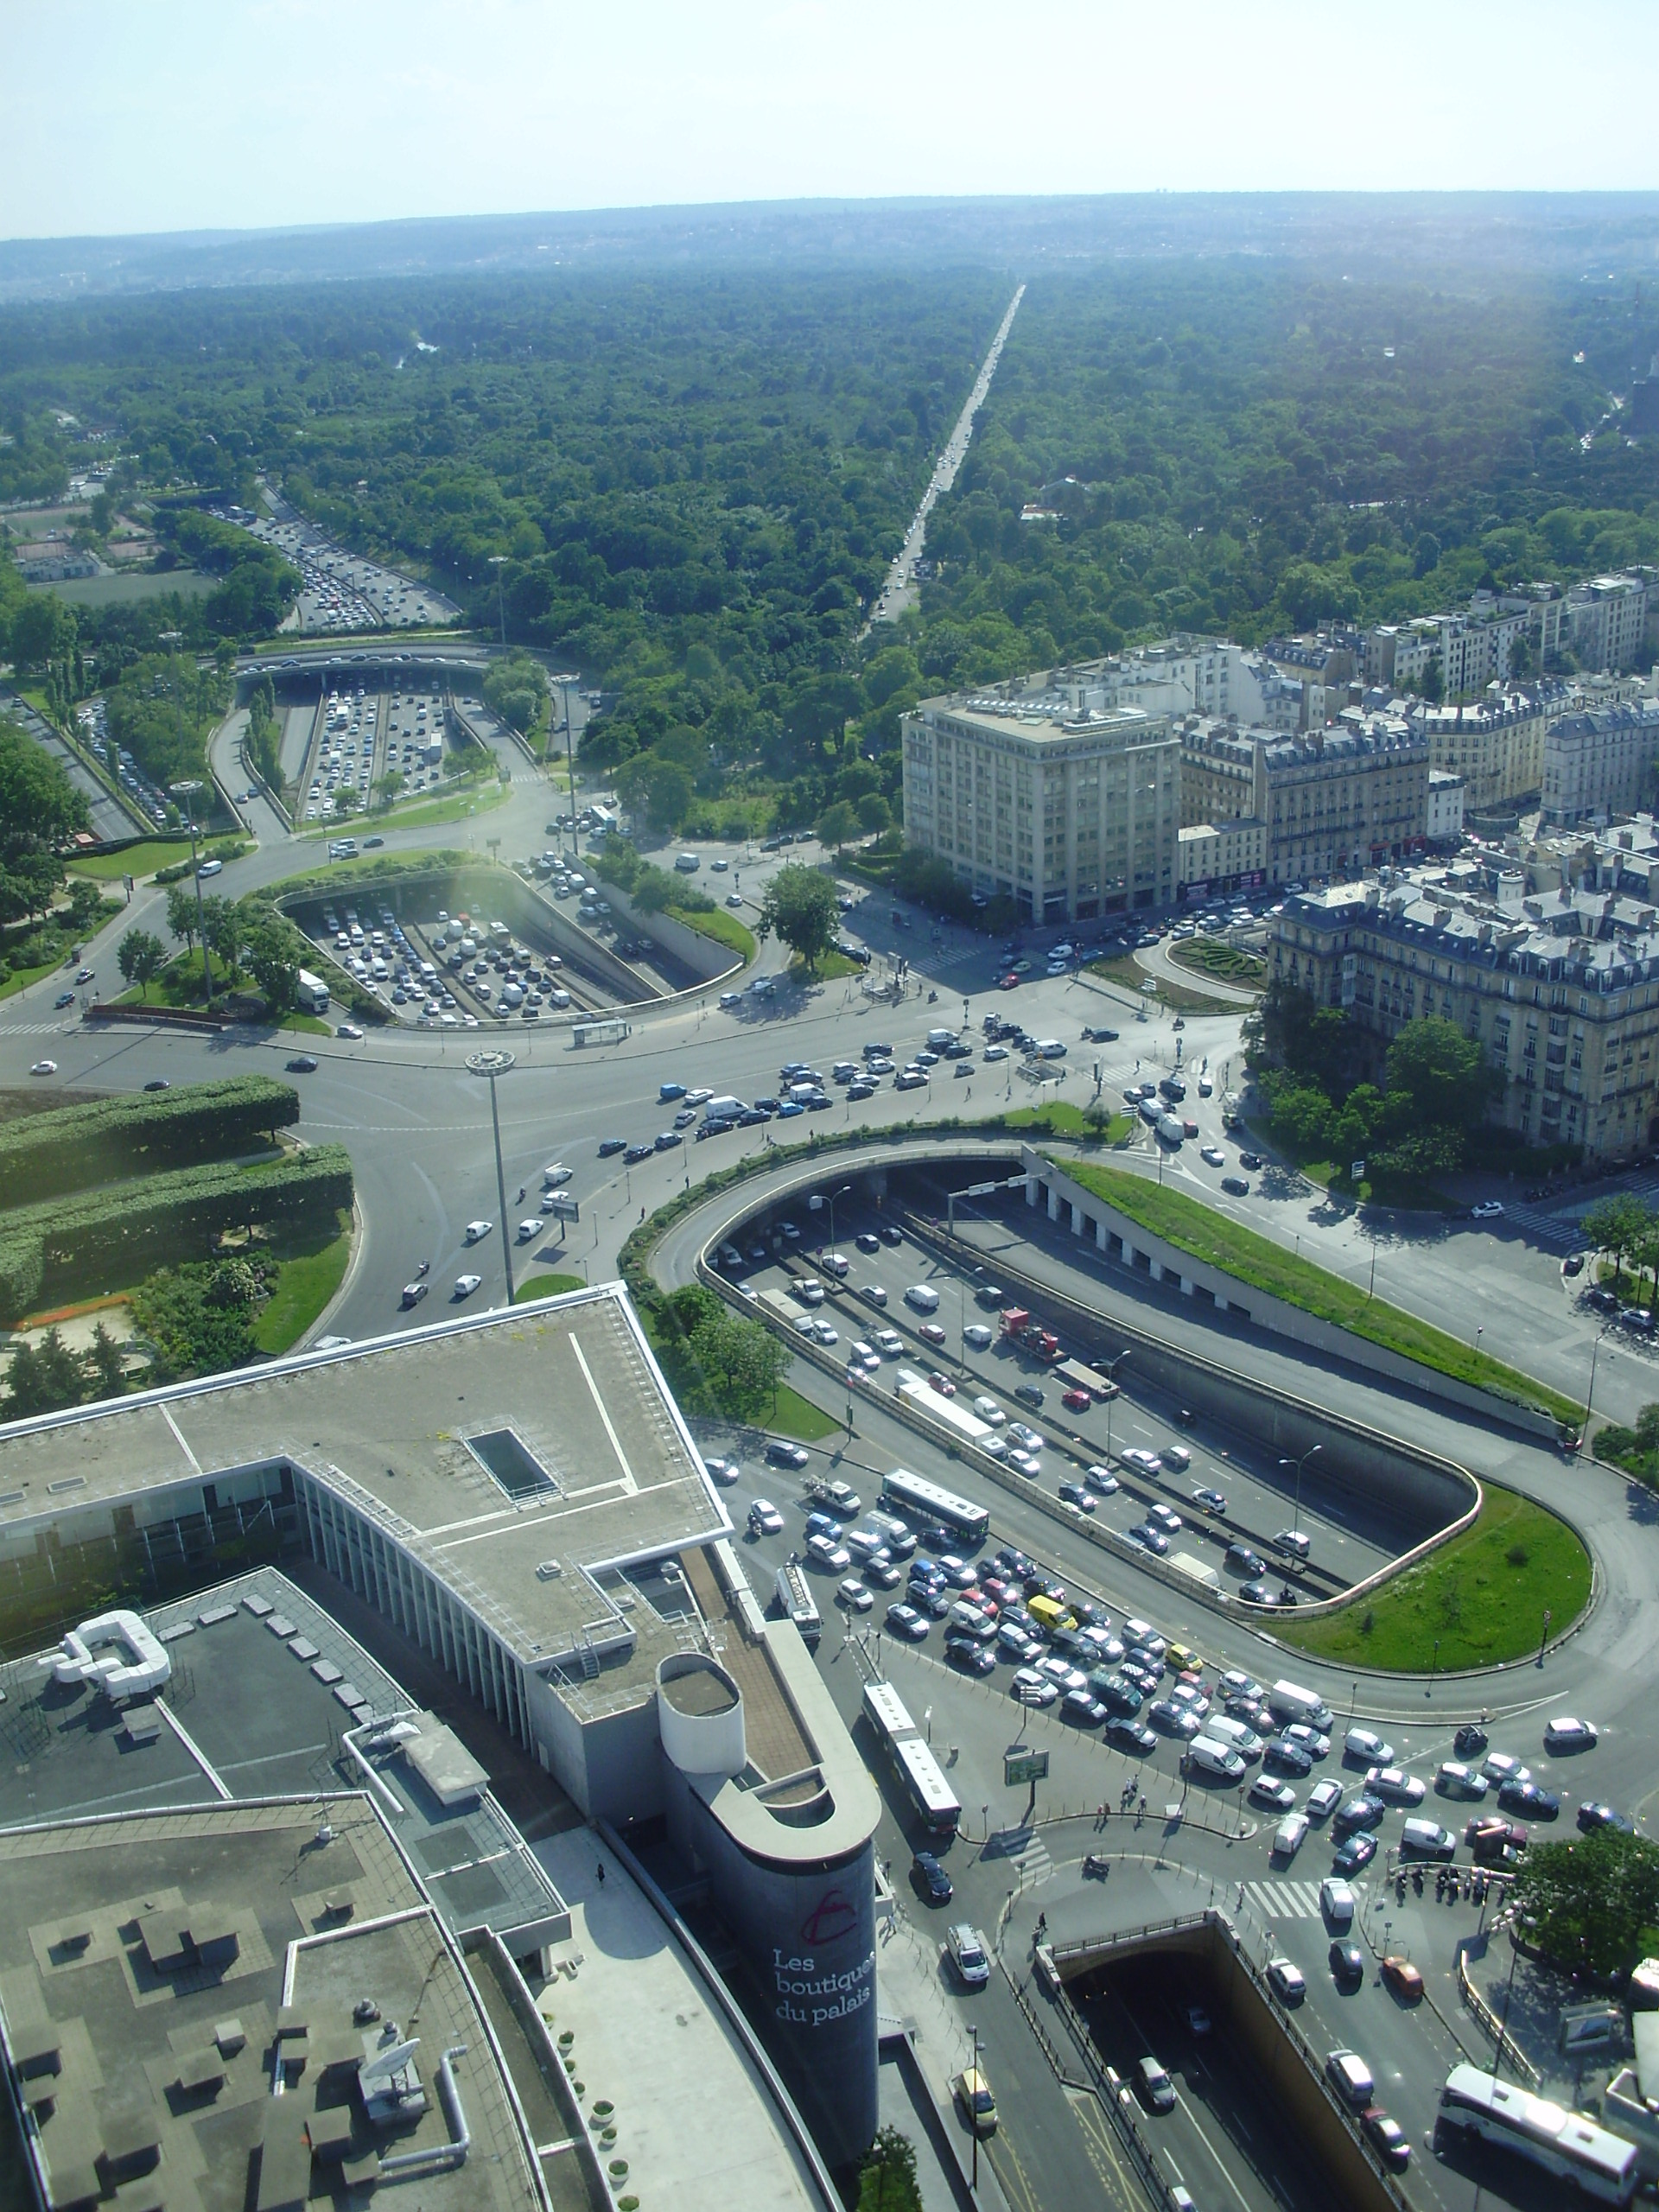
1077	1376
1230	1115
1030	1336
797	1603
312	992
784	1309
837	1496
1290	1701
601	1032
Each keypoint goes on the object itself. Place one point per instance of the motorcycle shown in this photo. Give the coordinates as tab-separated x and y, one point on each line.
425	1268
1095	1865
932	998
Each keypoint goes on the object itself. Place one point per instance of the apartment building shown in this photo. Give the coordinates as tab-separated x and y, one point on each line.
1496	744
1332	801
1072	814
1444	807
1222	856
1608	621
1180	675
1562	991
1600	763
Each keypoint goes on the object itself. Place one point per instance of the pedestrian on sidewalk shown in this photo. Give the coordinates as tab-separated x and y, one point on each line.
601	1874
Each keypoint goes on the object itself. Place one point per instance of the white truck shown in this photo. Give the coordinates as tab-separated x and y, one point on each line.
1289	1701
312	992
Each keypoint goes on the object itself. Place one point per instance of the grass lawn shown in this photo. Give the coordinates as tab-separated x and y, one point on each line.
1225	963
312	1270
310	1025
547	1285
1480	1598
1128	973
793	1415
136	861
417	814
830	969
21	979
1265	1266
724	928
1062	1119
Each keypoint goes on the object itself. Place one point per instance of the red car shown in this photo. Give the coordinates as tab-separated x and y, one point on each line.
1078	1401
943	1384
1009	984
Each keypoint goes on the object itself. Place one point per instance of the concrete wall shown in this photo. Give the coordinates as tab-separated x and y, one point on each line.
706	958
1119	1237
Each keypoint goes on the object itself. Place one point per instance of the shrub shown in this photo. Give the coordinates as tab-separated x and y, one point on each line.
80	1146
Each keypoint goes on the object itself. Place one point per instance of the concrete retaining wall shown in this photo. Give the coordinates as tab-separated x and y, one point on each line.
1116	1236
707	958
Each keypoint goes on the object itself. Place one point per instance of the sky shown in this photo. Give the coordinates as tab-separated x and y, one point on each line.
127	115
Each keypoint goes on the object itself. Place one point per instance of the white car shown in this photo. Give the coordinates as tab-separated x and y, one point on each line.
44	1067
853	1594
1144	1463
465	1285
1366	1745
1061	1672
978	1336
1454	1779
1213	1155
995	1052
987	1409
835	1559
1394	1785
764	1518
1288	1983
1102	1481
724	1471
1566	1734
698	1097
1022	1462
1500	1766
477	1231
1025	1436
1488	1210
866	1356
1031	1687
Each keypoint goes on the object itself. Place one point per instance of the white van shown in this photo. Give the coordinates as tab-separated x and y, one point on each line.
1287	1837
1336	1902
938	1039
723	1110
1050	1048
1226	1729
1205	1755
923	1297
687	863
1290	1702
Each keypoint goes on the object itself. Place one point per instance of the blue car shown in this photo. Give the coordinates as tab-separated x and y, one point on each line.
789	1110
671	1091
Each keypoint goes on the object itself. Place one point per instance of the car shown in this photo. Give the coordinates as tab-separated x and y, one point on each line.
1172	1720
1153	1540
904	1620
63	999
930	1332
477	1231
211	867
973	2092
665	1091
1361	1811
609	1146
350	1029
1031	1687
963	1651
1241	1559
780	1453
158	1082
853	1594
1567	1734
301	1063
1212	1501
1296	1543
765	1519
1062	1673
1593	1815
465	1285
1347	1963
1025	1436
1354	1854
1453	1779
1503	1766
931	1879
869	1242
1143	1462
1128	1734
1387	2139
1156	2089
1213	1156
1469	1740
1270	1796
1394	1785
1287	1980
1487	1210
1102	1481
1515	1796
1082	1708
823	1551
1029	1394
1323	1799
1235	1186
724	1471
666	1140
943	1384
1367	1748
1403	1978
1076	1494
1287	1758
1198	2020
1077	1401
1253	1160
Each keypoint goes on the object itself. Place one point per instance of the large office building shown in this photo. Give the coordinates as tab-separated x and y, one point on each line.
519	1498
1562	990
1069	810
1332	801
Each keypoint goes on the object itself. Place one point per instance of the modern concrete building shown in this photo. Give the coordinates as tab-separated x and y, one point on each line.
1070	812
1496	744
1332	801
1562	991
519	1496
1600	763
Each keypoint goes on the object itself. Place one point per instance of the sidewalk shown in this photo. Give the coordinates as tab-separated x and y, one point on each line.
907	1991
694	2119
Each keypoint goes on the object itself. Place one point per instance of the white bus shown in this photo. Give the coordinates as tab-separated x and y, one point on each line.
920	1500
797	1604
914	1767
1603	2166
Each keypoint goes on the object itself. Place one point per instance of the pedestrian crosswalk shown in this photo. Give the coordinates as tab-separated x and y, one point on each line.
32	1029
1284	1900
1030	1854
1560	1233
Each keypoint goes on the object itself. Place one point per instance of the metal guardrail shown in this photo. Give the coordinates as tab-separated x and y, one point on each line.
1507	2046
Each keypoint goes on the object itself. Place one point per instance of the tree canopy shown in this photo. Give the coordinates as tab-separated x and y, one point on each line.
1593	1900
799	908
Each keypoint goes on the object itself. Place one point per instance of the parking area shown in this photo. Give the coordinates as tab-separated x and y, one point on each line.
358	739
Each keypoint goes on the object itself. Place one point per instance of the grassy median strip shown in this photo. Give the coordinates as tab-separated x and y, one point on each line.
1259	1264
725	929
547	1285
1060	1119
1481	1598
310	1270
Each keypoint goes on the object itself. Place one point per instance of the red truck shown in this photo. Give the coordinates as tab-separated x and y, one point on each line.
1020	1329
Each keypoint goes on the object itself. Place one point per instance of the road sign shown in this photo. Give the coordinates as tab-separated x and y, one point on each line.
979	1191
563	1209
1023	1765
1357	1171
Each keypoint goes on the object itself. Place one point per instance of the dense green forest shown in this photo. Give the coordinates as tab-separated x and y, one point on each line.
694	479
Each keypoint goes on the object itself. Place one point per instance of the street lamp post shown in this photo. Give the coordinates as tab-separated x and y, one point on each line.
1296	1518
1590	1395
845	1192
490	1066
570	763
186	788
973	2117
1112	1366
497	562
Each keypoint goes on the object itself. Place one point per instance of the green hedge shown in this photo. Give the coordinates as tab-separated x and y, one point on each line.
81	1146
57	1249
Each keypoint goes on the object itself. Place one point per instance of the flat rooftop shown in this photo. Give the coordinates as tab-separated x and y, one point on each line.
522	1458
155	2002
255	1710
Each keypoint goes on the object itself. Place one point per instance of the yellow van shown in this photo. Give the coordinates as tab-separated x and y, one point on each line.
1049	1613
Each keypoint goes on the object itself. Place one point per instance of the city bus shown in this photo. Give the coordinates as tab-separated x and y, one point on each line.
913	1765
920	1500
1602	2164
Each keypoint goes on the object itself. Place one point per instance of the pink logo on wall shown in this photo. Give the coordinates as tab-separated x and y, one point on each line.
832	1918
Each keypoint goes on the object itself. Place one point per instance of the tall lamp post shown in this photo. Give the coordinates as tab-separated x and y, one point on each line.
973	2117
490	1066
186	788
570	762
845	1192
1112	1366
1296	1518
497	562
1589	1395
